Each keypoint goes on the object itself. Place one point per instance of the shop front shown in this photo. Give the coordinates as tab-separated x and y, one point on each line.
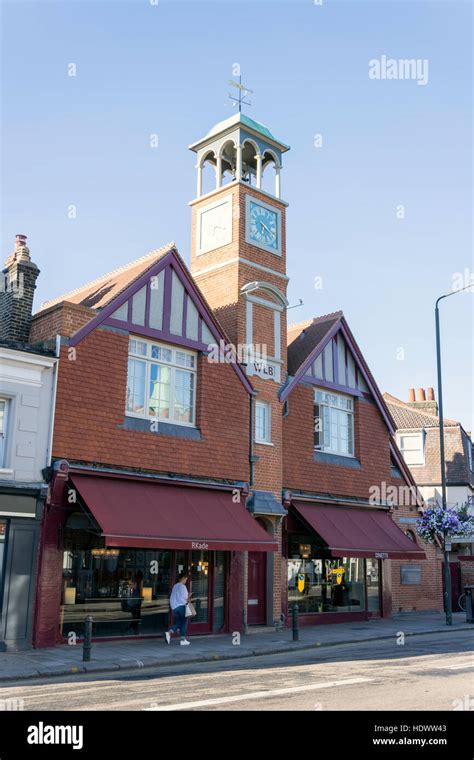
335	557
19	532
128	541
126	591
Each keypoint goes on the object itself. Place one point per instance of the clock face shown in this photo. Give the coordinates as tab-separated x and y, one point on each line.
263	226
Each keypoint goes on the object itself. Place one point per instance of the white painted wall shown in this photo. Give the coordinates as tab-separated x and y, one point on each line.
455	495
27	381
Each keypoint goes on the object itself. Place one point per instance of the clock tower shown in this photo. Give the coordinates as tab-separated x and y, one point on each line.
238	259
238	248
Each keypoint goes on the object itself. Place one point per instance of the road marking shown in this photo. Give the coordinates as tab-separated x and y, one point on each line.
259	694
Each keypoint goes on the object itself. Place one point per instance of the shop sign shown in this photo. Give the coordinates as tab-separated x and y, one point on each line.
199	545
381	555
265	369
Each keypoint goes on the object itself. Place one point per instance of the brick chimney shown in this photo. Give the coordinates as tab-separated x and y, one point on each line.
17	289
425	400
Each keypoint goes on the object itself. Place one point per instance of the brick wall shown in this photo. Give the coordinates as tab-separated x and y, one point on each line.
221	286
46	631
61	319
457	469
90	411
371	448
16	300
466	566
429	594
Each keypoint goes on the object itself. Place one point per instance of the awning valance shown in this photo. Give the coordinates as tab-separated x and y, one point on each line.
358	532
155	515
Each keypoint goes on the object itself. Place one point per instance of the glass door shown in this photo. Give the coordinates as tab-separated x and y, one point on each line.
200	585
372	574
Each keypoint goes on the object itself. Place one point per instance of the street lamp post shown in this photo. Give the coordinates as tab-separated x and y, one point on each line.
448	606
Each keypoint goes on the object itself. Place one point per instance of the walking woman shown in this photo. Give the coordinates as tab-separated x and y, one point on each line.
178	600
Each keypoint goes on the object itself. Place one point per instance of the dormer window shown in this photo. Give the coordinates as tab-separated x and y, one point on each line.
333	423
411	446
161	382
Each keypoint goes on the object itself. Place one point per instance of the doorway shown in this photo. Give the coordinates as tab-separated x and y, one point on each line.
201	573
257	588
374	591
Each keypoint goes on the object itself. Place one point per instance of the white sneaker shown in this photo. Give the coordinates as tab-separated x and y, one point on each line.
168	637
184	642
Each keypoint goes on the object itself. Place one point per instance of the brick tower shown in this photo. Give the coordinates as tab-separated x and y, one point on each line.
238	258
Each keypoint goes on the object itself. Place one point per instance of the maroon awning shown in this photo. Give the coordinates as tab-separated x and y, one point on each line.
148	515
358	532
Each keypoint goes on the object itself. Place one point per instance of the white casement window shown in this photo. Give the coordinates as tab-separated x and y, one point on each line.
3	429
263	422
333	423
411	446
161	382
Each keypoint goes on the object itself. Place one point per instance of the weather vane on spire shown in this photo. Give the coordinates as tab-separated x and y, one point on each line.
243	92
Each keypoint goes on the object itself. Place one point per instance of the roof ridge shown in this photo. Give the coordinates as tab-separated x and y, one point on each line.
394	398
326	317
119	270
406	405
295	325
416	410
316	320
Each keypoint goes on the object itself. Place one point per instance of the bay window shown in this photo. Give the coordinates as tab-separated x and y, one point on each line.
161	382
333	423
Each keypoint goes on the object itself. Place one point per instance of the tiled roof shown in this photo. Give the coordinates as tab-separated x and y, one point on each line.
303	337
100	292
408	418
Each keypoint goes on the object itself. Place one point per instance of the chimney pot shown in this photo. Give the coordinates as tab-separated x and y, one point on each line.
431	394
421	394
16	298
411	394
20	240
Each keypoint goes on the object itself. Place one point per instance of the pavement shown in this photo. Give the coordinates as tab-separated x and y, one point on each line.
136	654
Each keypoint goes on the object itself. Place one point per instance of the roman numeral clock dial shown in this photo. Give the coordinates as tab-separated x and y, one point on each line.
263	226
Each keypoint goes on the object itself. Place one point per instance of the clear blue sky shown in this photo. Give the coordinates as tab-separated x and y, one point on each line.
144	68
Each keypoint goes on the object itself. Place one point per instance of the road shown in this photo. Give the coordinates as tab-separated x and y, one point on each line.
434	672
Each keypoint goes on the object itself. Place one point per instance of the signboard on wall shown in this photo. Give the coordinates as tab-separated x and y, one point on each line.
410	575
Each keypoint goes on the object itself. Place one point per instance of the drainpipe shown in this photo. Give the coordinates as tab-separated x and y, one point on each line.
54	388
252	460
251	428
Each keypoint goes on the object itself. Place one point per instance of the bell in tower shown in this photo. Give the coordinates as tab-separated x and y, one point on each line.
239	149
